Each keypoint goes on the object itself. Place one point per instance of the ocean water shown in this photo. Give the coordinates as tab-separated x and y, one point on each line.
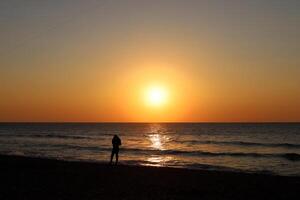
263	147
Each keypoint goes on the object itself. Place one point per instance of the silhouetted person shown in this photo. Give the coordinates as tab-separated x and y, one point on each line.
116	142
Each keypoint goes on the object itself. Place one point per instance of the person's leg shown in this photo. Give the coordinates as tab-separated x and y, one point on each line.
111	156
117	157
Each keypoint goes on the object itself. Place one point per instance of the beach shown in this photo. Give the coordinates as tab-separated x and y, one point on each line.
41	178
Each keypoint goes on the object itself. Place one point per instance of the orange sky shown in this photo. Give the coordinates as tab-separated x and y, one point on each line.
92	61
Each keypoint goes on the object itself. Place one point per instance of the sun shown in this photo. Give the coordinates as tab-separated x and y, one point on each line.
156	96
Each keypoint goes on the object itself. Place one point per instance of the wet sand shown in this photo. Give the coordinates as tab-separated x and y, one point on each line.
35	178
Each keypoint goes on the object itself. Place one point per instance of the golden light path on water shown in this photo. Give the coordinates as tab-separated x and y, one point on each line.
158	142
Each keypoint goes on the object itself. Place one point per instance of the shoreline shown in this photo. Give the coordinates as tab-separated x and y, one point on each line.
44	178
203	167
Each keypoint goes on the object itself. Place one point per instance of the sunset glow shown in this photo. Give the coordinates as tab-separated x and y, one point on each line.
143	61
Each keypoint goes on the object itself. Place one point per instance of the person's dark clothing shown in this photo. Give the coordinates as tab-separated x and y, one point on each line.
116	142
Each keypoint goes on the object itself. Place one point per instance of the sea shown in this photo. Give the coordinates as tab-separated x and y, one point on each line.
269	148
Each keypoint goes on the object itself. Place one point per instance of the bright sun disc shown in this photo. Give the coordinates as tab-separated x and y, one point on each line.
156	96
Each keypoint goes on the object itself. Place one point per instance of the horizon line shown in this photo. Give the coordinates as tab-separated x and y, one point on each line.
162	122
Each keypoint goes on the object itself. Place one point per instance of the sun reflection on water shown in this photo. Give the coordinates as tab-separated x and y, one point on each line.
158	161
156	141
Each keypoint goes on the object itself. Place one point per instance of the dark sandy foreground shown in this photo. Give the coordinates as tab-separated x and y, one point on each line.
33	178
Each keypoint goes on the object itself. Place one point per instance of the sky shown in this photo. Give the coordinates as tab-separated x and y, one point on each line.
95	60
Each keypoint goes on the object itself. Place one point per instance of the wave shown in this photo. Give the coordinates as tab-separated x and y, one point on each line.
240	143
157	152
288	156
292	156
75	147
46	136
194	142
180	165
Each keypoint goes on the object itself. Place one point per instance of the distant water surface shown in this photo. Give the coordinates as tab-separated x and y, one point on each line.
262	147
